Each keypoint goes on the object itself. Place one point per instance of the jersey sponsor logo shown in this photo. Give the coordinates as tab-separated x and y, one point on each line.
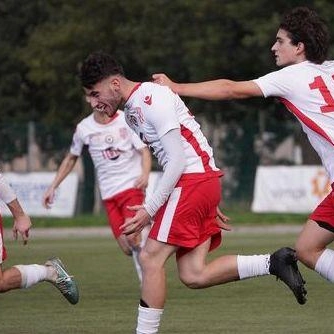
111	153
148	99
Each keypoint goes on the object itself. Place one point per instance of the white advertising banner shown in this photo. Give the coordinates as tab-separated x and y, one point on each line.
30	187
293	189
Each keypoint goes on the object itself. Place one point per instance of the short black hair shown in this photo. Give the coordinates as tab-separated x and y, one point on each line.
305	25
98	66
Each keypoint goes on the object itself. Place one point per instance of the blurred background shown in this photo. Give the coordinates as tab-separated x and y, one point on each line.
42	44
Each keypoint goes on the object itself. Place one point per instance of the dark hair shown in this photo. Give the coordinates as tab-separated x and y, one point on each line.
304	25
98	66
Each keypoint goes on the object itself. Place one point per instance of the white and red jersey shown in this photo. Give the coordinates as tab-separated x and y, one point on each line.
307	90
152	111
114	151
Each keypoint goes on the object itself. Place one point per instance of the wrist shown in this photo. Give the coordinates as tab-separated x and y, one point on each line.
149	210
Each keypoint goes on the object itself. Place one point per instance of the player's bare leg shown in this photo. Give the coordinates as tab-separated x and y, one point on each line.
153	258
124	245
196	273
311	249
10	279
134	244
26	276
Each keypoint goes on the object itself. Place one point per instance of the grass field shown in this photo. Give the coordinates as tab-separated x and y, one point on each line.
237	216
110	293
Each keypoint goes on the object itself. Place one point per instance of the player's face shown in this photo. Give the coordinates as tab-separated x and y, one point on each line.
284	51
104	97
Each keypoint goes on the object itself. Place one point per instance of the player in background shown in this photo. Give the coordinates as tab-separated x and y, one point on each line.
122	163
305	85
25	276
184	204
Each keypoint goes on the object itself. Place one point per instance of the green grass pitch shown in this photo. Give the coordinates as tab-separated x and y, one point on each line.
110	292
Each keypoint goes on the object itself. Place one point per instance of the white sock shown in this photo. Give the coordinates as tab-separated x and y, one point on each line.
148	320
325	265
135	255
253	265
31	274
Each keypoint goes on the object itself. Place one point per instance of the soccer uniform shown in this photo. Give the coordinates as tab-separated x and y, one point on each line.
114	151
188	216
307	90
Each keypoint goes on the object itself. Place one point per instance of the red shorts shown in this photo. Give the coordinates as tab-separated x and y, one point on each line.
324	212
116	208
188	218
3	254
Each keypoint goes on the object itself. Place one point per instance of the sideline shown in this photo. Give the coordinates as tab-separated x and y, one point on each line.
102	232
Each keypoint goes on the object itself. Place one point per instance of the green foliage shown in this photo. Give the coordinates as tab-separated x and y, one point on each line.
190	40
43	43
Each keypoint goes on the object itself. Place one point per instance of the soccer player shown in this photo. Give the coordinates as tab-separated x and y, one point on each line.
25	276
183	205
122	163
305	85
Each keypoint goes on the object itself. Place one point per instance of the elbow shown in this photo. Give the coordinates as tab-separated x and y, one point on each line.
228	90
178	166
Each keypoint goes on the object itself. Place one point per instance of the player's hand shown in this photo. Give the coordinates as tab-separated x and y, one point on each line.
142	182
48	198
137	222
163	79
223	220
22	225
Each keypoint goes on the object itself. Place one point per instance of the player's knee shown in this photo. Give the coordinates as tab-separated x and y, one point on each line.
191	280
305	254
126	249
133	240
300	251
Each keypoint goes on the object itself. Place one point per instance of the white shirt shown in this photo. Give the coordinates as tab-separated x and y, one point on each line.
114	151
307	90
152	111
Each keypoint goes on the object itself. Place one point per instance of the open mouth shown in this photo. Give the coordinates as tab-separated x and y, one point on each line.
100	108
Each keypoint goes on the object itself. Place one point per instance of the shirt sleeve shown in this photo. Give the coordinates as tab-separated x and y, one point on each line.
276	83
163	103
77	142
7	194
172	145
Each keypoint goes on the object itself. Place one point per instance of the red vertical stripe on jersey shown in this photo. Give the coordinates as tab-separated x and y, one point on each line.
192	141
307	121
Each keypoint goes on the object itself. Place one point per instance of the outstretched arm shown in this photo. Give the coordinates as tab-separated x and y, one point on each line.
221	89
64	169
